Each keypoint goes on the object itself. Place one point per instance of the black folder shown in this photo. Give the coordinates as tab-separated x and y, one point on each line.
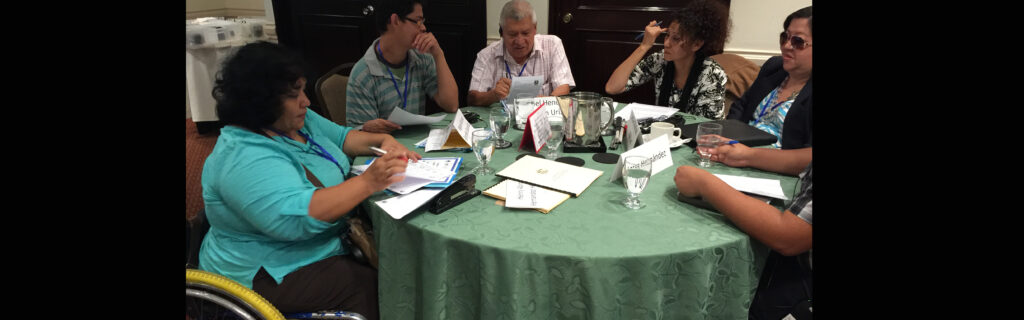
733	129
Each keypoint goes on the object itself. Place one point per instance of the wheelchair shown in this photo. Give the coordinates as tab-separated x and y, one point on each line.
212	296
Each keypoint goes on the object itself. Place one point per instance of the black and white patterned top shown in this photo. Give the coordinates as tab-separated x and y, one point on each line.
801	205
708	96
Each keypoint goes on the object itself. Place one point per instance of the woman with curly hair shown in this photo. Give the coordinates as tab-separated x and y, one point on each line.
685	75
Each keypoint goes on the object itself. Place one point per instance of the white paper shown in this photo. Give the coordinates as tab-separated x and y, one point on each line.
437	137
540	128
765	187
421	173
632	132
462	126
404	118
521	195
655	150
551	174
358	170
401	205
524	195
409	184
529	85
550	105
645	111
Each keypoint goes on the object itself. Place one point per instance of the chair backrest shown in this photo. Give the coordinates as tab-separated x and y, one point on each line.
330	91
741	73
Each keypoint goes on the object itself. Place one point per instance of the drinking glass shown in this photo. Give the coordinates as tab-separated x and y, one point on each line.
708	137
555	139
499	125
636	171
524	105
483	148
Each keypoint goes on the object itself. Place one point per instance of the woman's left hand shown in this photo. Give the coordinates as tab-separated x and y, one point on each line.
393	146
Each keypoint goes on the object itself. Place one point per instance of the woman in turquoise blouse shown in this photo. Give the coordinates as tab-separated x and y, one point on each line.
271	229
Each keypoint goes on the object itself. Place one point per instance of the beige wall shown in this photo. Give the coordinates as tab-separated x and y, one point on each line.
210	8
755	24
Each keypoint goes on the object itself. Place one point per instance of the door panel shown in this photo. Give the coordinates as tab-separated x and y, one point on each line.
599	34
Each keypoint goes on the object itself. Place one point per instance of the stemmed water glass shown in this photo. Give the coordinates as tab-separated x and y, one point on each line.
555	139
499	125
708	135
636	171
483	148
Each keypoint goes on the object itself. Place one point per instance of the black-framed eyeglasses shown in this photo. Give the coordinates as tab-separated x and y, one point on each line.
421	21
796	41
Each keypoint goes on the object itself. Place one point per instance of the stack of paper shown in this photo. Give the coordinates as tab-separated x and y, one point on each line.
645	111
523	195
427	172
551	174
771	188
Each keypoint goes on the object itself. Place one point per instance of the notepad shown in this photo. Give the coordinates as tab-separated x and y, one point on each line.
527	196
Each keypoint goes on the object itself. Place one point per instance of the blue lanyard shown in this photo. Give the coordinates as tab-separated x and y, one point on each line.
319	150
766	109
509	72
404	95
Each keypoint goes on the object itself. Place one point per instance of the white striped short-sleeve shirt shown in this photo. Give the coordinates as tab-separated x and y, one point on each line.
547	59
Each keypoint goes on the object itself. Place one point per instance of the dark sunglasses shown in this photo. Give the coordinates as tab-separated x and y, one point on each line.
796	41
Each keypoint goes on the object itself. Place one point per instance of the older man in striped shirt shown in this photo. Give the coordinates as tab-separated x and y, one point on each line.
522	52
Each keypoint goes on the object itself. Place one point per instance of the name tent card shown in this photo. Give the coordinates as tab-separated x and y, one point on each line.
656	150
456	135
537	130
633	133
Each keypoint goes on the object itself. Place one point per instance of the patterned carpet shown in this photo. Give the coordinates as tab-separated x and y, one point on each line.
197	148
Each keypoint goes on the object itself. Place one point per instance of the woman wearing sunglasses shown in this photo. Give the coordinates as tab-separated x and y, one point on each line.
781	94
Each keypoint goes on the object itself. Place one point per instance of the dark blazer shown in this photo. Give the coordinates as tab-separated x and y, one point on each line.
796	129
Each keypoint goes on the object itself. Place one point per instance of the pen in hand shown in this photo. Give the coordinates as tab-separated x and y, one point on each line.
641	35
383	152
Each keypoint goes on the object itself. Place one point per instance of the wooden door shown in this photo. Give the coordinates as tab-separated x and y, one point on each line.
328	33
599	34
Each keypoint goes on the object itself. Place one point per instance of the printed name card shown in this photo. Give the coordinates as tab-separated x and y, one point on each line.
442	139
655	150
537	130
524	107
632	132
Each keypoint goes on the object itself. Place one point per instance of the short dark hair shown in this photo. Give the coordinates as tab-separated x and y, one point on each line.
708	21
400	7
252	83
799	14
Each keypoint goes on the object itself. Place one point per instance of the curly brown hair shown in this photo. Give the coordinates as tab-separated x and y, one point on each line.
705	20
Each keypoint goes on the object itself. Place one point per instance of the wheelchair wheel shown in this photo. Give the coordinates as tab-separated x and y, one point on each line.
212	296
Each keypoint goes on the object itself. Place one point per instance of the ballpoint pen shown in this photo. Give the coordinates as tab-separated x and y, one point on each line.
383	152
641	35
731	142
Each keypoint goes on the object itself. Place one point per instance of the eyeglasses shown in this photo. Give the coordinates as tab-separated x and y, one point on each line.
796	41
421	21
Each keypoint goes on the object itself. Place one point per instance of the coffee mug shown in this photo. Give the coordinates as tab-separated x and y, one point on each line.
660	128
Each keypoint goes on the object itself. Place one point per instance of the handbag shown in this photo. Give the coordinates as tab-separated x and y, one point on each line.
359	237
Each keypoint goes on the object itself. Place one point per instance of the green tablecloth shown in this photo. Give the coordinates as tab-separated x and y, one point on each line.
589	258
